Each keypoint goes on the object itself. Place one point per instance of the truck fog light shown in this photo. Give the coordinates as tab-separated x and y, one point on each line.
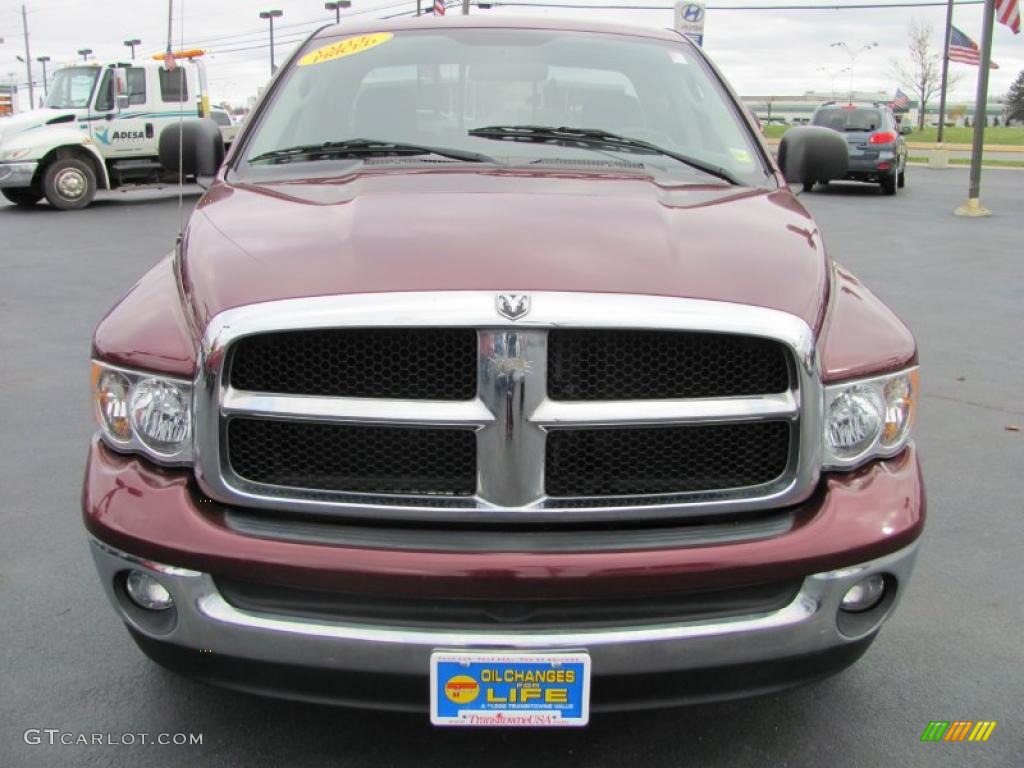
146	592
864	595
160	415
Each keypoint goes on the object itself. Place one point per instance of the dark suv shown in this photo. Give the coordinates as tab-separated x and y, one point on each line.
878	151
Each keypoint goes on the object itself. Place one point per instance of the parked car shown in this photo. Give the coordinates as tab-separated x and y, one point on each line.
878	151
228	128
500	374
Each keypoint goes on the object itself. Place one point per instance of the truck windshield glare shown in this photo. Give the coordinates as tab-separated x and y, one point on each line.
438	88
71	88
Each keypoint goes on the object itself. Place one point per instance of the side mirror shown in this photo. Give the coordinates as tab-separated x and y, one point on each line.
810	153
197	144
119	83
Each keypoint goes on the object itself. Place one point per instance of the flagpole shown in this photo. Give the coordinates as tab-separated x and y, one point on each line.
945	70
973	206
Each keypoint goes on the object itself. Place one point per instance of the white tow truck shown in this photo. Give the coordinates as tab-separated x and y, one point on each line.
99	128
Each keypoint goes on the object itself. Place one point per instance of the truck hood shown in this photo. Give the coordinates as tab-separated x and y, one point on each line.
17	126
502	230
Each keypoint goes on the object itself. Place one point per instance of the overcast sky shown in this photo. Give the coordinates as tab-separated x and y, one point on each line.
765	52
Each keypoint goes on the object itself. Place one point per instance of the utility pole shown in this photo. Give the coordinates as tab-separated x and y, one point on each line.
973	207
46	86
170	22
270	16
945	70
465	7
28	59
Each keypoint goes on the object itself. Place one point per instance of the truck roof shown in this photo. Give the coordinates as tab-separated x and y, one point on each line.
483	21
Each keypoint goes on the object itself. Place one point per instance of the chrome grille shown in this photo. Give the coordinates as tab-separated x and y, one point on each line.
655	460
407	363
342	457
601	364
730	437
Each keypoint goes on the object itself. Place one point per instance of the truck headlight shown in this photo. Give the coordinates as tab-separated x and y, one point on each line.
144	413
14	154
869	418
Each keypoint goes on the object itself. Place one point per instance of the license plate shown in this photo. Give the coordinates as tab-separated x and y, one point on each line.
509	689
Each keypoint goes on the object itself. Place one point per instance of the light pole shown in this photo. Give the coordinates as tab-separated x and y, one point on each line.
336	7
84	53
832	75
853	54
46	86
270	16
131	44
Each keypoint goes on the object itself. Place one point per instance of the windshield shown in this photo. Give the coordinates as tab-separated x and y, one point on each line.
71	88
843	120
436	88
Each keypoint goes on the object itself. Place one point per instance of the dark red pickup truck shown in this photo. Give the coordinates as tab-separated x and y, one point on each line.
500	374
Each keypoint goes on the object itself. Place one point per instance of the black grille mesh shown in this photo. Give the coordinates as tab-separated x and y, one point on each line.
655	460
653	365
340	457
401	363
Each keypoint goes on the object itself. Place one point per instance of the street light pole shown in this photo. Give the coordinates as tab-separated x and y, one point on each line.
832	75
84	53
853	57
131	44
336	7
28	59
270	16
46	86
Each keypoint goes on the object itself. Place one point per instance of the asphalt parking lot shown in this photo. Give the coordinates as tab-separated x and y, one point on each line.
952	651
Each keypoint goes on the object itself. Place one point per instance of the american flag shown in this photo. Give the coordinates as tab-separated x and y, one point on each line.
439	7
900	100
965	50
1008	13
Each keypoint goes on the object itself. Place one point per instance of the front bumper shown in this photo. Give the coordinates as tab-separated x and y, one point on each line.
145	518
17	174
273	653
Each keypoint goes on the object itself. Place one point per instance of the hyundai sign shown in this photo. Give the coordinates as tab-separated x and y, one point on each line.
689	20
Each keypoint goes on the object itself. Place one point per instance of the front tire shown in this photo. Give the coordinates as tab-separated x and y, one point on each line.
25	197
808	186
69	184
901	179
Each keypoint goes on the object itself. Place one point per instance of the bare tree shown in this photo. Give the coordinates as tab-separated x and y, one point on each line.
922	73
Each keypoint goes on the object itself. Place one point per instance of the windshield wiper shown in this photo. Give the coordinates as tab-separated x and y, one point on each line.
594	138
360	147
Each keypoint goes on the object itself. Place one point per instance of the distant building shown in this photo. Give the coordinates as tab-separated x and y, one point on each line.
797	110
8	100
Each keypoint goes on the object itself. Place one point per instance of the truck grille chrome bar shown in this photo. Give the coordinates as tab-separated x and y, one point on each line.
511	415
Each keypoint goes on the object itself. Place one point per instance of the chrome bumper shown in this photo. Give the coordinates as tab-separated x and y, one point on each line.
206	621
17	174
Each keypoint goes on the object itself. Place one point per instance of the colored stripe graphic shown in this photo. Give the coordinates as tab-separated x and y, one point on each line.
982	730
935	730
958	730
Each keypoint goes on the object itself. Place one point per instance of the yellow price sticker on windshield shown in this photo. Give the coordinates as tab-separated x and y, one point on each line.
346	47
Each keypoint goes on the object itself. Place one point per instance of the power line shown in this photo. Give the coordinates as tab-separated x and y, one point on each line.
836	7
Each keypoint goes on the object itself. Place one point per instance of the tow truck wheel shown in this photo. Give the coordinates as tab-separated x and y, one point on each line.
23	197
69	184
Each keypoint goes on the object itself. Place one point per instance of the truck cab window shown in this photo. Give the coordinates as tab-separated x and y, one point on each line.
136	85
173	87
104	97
